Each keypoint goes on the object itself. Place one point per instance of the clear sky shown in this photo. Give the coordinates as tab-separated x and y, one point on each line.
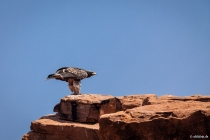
135	47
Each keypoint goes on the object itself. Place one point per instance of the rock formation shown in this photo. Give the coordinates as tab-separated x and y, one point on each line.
134	117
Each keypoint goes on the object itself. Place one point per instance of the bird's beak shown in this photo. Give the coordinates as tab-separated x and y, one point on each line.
46	79
94	73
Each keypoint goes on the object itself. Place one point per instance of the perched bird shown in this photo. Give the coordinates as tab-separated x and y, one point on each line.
73	76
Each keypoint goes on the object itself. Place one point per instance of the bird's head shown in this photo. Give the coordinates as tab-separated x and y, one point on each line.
90	73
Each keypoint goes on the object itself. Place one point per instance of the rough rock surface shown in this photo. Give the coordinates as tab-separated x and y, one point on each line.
81	108
167	118
131	101
53	128
133	117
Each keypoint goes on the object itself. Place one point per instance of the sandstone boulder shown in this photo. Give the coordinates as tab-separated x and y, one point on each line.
81	108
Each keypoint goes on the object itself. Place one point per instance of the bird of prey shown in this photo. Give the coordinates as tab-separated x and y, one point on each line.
73	76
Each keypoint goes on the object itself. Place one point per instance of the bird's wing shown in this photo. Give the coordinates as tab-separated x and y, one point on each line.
70	72
61	69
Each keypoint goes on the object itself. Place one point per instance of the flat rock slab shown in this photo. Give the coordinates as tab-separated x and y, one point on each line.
53	128
172	99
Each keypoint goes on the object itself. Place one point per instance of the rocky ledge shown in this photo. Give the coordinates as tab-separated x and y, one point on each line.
133	117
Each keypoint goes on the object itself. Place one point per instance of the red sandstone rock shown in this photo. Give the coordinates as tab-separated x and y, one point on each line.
132	101
111	105
116	104
43	136
53	128
173	120
81	108
134	117
172	98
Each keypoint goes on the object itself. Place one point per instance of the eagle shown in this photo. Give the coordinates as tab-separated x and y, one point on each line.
73	76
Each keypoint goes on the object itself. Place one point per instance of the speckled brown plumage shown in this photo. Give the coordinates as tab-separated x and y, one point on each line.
73	76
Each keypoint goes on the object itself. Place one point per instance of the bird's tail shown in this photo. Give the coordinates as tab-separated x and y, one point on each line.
51	76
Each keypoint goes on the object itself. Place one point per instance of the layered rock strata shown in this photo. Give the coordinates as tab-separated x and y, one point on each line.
53	128
133	117
173	120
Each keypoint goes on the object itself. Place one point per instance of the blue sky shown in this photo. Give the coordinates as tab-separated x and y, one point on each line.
135	47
